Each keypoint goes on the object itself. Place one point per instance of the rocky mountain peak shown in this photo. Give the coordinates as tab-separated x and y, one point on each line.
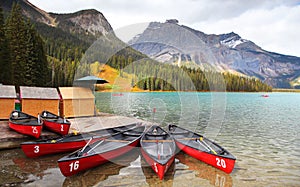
30	11
173	21
88	21
231	40
180	45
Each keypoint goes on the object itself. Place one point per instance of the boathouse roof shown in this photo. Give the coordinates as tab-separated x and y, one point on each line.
38	93
7	91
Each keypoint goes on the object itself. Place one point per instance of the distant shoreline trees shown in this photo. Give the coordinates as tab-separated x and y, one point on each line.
155	76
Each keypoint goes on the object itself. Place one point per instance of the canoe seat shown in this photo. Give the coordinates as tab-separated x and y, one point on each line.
222	152
20	118
132	134
151	134
179	133
50	117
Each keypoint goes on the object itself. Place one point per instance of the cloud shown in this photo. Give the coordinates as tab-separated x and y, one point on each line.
272	29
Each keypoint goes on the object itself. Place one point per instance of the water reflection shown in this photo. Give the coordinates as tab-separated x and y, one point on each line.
36	172
214	176
95	176
38	165
128	170
151	177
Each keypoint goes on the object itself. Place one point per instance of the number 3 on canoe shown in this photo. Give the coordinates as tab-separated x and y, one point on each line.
36	149
221	162
74	166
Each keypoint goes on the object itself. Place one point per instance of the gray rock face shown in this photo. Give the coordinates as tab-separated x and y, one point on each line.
83	22
180	45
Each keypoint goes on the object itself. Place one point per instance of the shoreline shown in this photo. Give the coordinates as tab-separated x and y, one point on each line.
275	90
147	91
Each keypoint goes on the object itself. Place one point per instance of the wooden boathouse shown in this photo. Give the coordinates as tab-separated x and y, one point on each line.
7	100
36	99
76	102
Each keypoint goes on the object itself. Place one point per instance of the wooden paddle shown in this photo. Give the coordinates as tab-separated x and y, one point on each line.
94	146
168	140
206	145
84	147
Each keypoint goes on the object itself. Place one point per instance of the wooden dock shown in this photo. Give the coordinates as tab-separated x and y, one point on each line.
11	139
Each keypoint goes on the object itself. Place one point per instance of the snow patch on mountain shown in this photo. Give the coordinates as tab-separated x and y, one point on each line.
233	42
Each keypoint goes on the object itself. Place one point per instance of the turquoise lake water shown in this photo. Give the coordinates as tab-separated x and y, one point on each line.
262	133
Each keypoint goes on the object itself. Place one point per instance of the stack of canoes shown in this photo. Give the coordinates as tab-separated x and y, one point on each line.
158	148
32	126
70	142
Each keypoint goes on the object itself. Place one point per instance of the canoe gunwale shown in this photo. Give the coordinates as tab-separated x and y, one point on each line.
168	139
83	136
198	136
73	156
23	119
54	118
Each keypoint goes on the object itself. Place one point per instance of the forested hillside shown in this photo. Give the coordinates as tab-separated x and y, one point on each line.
37	54
23	59
148	74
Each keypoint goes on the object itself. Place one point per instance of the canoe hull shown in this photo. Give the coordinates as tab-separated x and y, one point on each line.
217	161
31	130
158	149
159	169
68	143
59	128
33	150
71	167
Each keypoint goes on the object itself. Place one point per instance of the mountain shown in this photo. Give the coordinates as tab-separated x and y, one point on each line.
74	32
170	42
29	10
87	36
73	40
83	22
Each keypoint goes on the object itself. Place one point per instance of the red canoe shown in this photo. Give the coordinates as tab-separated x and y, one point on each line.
25	124
158	149
100	152
202	148
68	143
55	123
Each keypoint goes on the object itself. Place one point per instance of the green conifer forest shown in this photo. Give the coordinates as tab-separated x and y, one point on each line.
36	54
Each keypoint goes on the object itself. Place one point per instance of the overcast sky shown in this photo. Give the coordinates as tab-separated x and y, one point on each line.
274	25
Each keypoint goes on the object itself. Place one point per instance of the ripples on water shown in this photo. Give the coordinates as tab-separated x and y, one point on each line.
263	134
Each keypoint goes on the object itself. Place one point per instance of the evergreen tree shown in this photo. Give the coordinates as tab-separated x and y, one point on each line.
16	35
5	74
41	70
29	65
